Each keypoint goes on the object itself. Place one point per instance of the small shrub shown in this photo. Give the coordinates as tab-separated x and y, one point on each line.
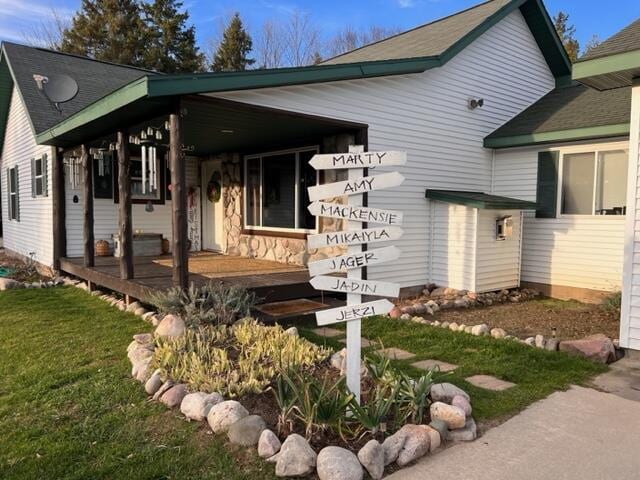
613	301
212	304
233	360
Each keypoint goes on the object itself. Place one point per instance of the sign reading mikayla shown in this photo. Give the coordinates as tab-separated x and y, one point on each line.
353	312
357	160
354	237
344	263
357	214
352	285
353	187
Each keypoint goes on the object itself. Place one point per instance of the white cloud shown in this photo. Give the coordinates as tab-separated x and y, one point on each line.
27	10
406	3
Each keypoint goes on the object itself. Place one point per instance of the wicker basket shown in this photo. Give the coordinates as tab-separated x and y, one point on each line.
102	248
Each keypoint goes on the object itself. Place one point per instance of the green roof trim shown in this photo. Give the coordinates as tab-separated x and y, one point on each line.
612	71
171	85
6	89
587	133
110	103
479	200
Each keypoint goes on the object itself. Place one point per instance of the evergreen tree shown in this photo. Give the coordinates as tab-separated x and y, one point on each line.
170	44
567	32
109	30
232	53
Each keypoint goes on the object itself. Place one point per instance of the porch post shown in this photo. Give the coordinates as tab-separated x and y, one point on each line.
58	204
124	211
178	201
87	229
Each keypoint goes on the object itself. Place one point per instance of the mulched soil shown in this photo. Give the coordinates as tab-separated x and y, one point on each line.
19	270
571	320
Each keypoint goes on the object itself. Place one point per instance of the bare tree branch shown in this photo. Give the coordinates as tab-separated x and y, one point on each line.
302	39
49	31
270	46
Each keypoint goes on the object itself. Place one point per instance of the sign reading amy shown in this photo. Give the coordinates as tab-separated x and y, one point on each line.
357	160
354	237
353	187
353	285
353	312
355	260
357	214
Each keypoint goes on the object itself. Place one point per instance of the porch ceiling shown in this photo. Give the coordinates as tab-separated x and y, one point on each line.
213	126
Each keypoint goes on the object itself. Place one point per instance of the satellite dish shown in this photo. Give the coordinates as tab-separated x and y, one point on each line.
60	88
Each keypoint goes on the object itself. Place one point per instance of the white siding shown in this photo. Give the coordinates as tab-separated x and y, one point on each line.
453	241
33	234
574	251
426	115
630	312
106	215
498	261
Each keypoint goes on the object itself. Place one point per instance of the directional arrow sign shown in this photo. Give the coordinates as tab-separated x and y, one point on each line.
357	160
354	260
352	285
354	237
353	187
357	214
353	312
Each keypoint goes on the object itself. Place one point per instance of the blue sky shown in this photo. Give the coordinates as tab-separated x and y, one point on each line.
19	17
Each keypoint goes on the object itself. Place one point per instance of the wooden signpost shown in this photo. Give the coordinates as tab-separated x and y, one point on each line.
354	237
357	260
355	214
355	185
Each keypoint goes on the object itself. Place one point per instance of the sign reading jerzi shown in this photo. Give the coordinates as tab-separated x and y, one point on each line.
354	237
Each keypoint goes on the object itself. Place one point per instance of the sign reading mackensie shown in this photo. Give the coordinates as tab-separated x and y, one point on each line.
355	186
357	160
354	237
354	260
356	214
353	312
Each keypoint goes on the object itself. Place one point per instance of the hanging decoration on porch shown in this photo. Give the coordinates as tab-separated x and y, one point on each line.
214	187
354	214
74	165
104	157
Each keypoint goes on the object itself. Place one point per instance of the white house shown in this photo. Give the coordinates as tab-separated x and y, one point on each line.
496	131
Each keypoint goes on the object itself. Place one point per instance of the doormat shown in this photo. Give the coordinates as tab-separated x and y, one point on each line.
221	266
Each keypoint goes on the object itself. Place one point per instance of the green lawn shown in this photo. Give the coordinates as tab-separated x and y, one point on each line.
537	373
69	409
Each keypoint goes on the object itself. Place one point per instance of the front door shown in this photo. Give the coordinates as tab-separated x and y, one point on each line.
212	206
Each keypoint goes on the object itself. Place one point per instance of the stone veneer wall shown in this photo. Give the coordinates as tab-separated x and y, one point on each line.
270	247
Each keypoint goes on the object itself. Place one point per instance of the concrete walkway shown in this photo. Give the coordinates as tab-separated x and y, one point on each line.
581	434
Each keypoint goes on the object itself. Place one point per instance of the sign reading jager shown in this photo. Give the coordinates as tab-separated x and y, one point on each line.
354	237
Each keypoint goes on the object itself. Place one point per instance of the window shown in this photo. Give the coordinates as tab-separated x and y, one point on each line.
39	176
14	193
276	190
594	183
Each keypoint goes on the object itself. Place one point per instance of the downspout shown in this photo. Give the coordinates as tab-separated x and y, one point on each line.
493	170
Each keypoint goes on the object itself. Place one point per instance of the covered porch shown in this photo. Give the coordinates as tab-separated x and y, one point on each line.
226	195
270	281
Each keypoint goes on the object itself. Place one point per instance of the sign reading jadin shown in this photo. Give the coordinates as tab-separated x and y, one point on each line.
354	237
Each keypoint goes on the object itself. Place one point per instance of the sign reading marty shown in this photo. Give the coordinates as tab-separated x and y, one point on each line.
354	237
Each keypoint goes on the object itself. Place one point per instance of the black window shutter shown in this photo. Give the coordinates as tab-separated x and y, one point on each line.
547	191
33	177
45	175
17	215
9	212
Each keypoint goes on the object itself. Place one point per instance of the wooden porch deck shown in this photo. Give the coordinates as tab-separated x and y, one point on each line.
270	281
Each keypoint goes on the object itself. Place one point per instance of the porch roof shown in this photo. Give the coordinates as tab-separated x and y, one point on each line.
614	63
479	200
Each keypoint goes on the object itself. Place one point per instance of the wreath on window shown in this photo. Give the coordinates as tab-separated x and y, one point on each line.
214	188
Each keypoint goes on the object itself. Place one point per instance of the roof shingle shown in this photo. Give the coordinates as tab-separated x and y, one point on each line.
568	108
625	40
95	80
